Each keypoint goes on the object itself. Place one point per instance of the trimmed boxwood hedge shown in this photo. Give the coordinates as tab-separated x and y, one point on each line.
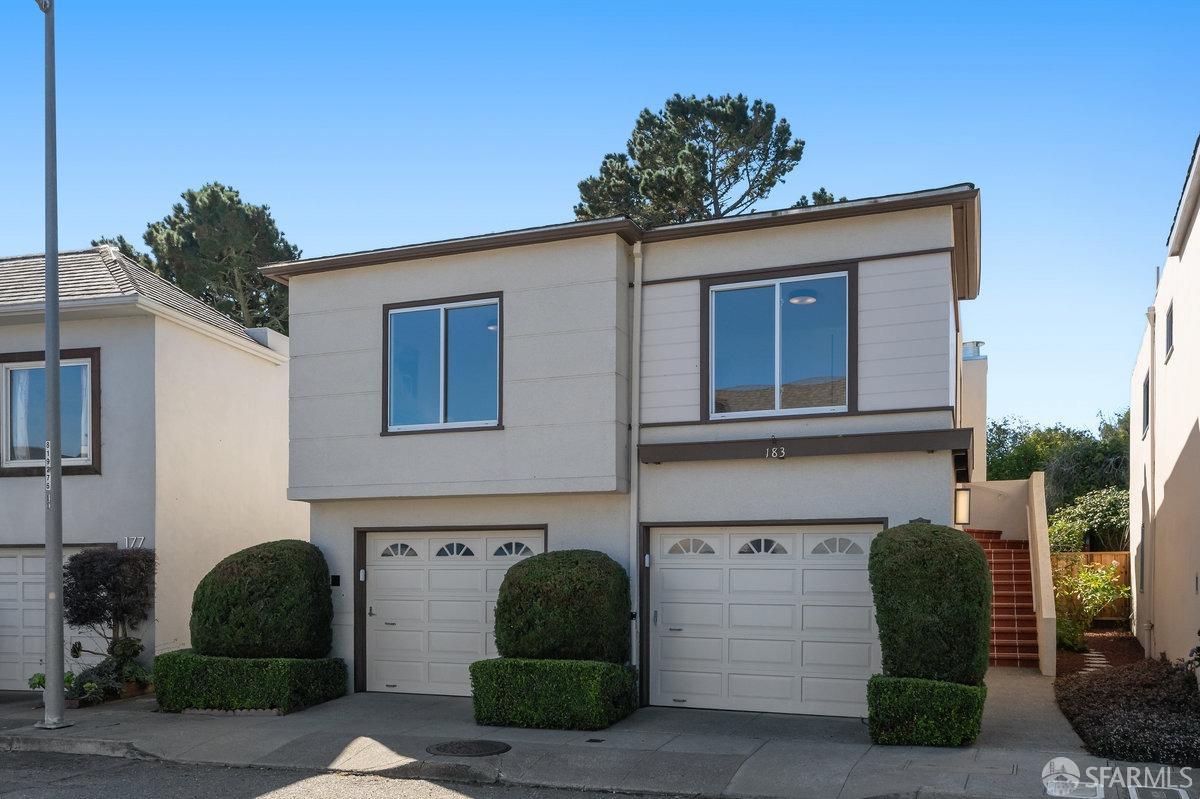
906	711
184	679
268	601
552	694
571	604
933	595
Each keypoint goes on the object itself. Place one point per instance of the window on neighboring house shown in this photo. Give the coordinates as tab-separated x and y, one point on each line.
23	411
779	346
443	365
1146	404
1169	330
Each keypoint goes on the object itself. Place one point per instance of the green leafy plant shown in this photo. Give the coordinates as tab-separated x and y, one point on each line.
570	604
933	597
1081	591
906	711
1098	520
37	680
553	694
184	679
267	601
1069	633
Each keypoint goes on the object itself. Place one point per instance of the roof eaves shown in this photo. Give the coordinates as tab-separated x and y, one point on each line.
1185	209
622	226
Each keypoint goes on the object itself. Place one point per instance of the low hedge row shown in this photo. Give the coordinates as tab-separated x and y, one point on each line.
184	680
909	711
552	694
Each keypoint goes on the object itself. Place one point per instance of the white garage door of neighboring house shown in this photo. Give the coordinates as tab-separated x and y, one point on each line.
765	618
23	618
431	600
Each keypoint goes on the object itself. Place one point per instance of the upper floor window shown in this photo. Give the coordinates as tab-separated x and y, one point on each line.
1146	404
1169	330
779	346
443	365
23	411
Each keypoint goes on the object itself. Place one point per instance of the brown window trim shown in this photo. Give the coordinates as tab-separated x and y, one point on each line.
92	354
779	273
643	576
360	569
385	385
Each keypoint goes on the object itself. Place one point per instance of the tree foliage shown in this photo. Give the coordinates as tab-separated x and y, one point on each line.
1098	520
697	158
110	591
211	245
1075	461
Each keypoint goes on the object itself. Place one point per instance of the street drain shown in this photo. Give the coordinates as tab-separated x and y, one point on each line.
469	748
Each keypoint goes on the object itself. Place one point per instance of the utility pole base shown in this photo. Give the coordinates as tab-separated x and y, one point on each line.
54	725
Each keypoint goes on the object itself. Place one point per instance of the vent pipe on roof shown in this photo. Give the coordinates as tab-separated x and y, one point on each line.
971	351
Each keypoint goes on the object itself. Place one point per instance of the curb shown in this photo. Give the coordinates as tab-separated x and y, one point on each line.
73	746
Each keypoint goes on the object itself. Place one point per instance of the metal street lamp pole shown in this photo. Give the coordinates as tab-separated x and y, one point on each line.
53	697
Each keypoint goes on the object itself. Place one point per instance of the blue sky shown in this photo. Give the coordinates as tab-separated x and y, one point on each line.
378	123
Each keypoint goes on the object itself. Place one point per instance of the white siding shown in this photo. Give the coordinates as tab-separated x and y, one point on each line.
905	355
905	308
565	393
671	352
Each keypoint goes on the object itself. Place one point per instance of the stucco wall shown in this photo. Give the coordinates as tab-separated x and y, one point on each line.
565	375
118	502
1165	496
221	418
973	404
591	521
898	486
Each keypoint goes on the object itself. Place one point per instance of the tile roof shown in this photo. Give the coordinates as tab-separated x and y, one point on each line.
101	273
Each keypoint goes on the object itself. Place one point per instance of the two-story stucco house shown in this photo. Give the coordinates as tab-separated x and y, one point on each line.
174	428
731	409
1164	458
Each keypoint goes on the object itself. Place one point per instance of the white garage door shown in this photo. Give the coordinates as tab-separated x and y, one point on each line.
431	601
762	618
23	618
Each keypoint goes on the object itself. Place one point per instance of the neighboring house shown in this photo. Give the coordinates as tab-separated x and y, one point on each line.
174	438
1164	457
792	381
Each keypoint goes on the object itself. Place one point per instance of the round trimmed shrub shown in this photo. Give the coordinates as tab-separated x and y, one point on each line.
270	600
571	604
933	596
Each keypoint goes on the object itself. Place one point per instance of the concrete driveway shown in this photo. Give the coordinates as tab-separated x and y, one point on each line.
667	750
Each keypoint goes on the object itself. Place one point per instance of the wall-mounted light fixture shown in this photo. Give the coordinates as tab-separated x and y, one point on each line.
962	506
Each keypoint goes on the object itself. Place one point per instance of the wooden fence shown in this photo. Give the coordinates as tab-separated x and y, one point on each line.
1122	608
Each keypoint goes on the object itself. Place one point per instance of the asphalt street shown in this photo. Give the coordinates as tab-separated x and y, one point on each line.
42	776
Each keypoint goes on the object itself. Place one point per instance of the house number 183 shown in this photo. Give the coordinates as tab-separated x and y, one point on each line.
777	452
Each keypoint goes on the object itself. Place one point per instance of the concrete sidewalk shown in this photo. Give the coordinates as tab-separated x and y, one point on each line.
657	750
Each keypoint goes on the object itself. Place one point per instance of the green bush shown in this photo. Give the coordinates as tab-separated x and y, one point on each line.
1098	520
268	601
1081	591
566	605
552	694
905	711
933	597
1069	634
184	679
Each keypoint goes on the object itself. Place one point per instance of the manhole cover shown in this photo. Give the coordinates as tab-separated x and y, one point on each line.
469	748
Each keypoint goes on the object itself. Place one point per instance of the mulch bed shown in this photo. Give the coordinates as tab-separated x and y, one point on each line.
1142	711
1119	646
